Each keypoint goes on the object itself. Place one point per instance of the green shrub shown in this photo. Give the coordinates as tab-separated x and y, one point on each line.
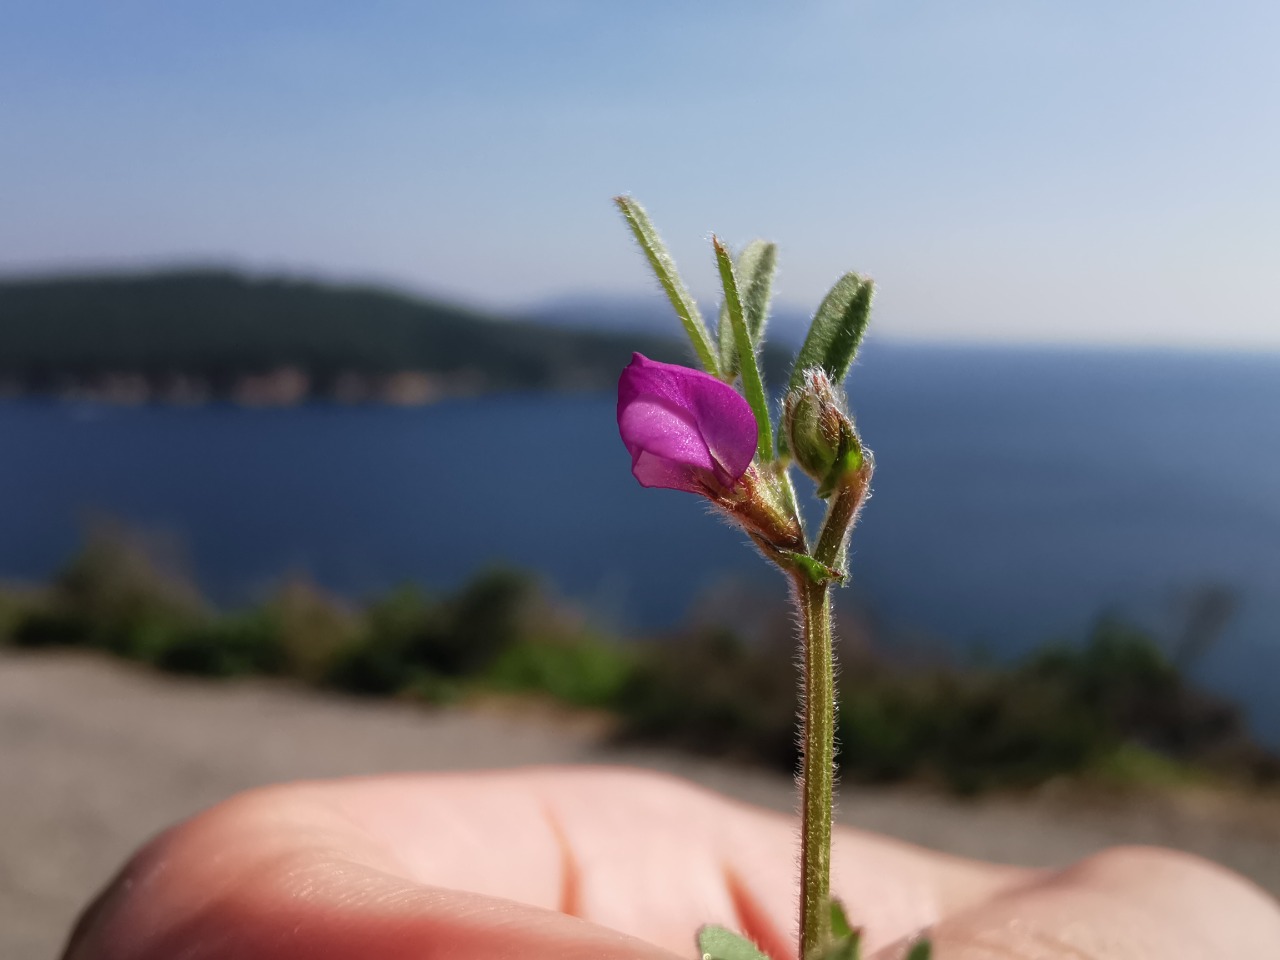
45	625
491	614
883	730
115	595
1064	711
971	731
408	637
1122	677
386	656
17	605
1000	732
711	693
1131	765
1113	708
311	629
581	671
225	647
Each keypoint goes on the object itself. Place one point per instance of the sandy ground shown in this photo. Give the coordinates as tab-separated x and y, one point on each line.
95	757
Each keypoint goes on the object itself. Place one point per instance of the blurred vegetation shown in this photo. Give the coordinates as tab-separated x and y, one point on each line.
218	326
1112	709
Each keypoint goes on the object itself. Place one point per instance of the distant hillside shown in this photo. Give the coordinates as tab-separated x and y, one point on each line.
196	333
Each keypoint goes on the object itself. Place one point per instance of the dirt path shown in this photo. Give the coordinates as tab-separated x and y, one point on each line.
96	756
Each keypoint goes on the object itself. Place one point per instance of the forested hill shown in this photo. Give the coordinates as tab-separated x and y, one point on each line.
197	333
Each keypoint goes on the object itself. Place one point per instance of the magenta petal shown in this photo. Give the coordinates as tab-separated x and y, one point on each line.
680	425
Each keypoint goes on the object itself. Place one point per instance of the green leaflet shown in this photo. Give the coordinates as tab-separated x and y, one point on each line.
836	331
719	943
752	386
834	336
665	270
840	926
920	950
755	269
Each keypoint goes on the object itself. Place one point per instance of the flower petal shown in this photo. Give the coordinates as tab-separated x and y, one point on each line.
679	424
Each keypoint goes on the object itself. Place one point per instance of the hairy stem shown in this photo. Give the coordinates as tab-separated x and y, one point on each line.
842	513
818	770
817	784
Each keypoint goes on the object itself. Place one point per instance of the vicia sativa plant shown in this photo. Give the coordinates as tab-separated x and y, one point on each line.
710	432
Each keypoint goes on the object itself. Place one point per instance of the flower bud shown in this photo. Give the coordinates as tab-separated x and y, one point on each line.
821	435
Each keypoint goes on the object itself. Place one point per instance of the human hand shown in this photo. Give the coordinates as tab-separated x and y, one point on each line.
573	864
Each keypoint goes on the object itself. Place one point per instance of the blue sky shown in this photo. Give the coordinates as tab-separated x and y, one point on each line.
1021	170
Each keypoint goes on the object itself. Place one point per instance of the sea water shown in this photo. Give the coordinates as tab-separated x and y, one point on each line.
1018	495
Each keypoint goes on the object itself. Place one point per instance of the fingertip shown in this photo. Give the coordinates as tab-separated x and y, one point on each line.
1122	903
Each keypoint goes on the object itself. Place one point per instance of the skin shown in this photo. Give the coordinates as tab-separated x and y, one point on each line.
597	863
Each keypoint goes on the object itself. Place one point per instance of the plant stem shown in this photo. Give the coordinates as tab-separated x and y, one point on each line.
818	770
817	784
842	513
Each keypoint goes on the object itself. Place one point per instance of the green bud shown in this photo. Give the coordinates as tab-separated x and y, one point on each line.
819	431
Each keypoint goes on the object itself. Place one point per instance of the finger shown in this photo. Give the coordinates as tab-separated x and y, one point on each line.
279	875
1123	904
643	854
650	854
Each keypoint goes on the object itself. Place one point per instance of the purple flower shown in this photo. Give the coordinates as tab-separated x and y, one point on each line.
685	430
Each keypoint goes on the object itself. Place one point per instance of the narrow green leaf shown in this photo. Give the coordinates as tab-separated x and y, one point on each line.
920	950
752	386
719	943
665	270
728	347
837	329
755	269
